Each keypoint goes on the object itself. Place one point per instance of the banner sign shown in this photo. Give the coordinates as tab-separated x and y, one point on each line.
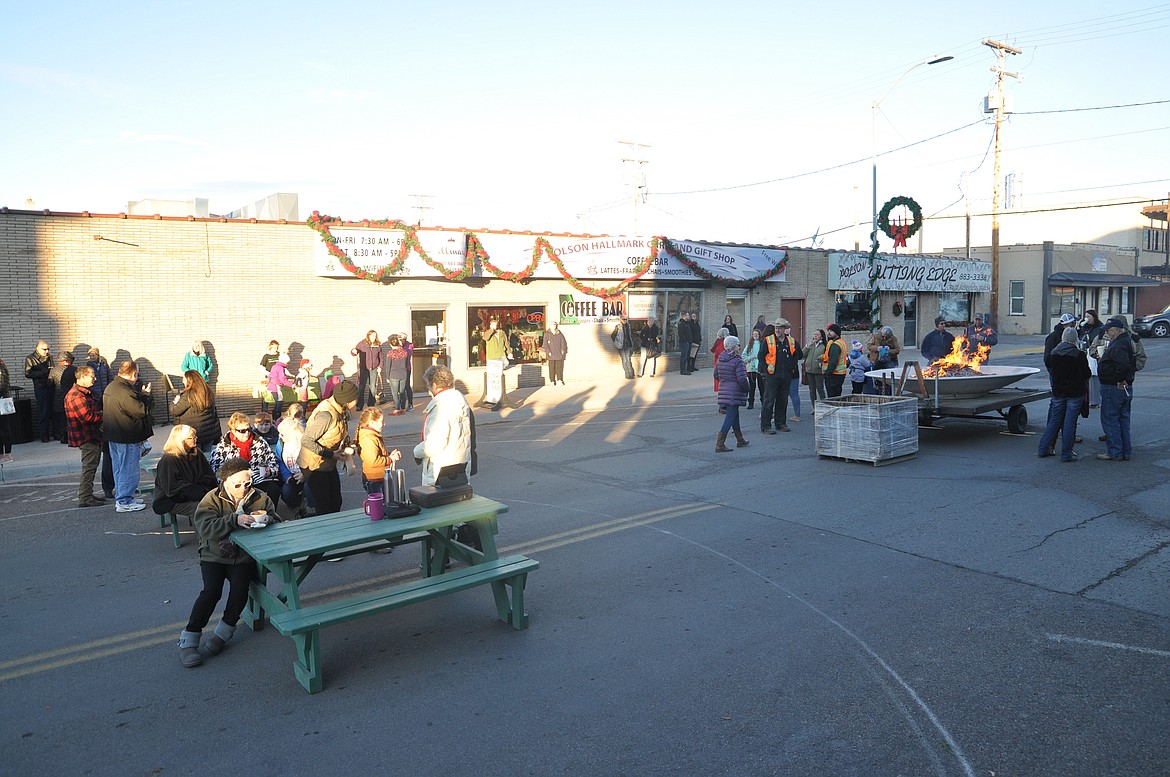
850	272
581	309
642	306
736	263
606	258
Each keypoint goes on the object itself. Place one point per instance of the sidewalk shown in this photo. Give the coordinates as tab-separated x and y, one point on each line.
38	460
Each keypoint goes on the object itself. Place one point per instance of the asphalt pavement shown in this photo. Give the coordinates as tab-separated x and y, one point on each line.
975	610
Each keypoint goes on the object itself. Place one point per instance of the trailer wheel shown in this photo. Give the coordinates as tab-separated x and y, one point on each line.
1017	419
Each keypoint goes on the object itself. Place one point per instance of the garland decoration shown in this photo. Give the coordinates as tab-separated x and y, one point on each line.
322	224
474	251
703	273
899	230
608	292
520	276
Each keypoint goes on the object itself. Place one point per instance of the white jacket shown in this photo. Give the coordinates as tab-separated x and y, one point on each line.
446	434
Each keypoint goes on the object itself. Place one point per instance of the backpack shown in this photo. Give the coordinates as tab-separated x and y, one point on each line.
1139	353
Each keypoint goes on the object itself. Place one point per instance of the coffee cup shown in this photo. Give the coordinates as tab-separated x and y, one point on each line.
260	518
374	506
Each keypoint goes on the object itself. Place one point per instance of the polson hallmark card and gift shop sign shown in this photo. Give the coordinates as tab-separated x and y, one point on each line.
908	272
613	257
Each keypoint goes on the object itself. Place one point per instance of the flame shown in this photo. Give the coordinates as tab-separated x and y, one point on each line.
958	362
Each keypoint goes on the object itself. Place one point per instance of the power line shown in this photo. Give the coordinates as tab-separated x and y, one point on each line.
1098	108
825	169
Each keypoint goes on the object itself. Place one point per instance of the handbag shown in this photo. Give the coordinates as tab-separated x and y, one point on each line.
804	378
7	406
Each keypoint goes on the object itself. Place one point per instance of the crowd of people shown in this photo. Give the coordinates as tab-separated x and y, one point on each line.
1091	365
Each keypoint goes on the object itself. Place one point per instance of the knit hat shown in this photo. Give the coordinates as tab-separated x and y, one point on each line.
345	392
856	345
835	329
1067	318
231	467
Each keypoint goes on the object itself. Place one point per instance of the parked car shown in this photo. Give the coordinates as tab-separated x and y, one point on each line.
1157	324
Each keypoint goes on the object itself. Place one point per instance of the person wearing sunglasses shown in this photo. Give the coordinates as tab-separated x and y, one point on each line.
240	442
230	507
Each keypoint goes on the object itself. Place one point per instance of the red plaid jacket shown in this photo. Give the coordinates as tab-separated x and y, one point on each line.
83	417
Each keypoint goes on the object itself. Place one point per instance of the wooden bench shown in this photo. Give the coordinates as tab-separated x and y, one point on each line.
304	623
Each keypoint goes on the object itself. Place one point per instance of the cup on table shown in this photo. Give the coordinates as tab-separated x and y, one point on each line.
374	507
260	518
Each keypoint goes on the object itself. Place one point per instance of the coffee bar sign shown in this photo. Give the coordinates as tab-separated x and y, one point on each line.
850	272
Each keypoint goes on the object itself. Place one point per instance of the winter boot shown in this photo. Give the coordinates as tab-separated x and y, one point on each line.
720	443
740	441
189	649
218	640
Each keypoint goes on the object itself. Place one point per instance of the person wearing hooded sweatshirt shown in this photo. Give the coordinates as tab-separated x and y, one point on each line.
1116	369
225	509
731	373
278	379
1068	370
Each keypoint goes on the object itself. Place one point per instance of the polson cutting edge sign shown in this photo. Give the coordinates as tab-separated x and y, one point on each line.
850	272
613	257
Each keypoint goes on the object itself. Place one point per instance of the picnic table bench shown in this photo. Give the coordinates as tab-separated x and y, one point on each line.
291	550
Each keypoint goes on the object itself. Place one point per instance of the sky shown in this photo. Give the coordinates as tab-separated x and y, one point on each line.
751	122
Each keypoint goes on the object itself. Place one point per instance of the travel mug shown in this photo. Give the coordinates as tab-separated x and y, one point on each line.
374	507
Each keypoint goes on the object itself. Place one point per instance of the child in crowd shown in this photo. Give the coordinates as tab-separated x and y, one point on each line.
372	449
293	489
858	365
303	379
263	428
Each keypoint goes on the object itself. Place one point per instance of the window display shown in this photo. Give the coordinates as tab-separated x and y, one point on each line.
523	326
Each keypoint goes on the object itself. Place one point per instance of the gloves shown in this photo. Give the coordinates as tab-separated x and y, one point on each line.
326	453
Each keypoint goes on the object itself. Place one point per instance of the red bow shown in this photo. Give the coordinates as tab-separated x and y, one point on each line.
899	232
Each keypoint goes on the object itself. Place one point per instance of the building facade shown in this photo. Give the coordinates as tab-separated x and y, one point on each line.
146	287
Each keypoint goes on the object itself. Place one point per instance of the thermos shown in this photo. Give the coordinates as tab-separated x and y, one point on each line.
394	487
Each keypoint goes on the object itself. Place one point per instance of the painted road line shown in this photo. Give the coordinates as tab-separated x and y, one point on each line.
1111	645
161	635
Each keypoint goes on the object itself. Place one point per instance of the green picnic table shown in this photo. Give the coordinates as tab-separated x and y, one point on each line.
291	550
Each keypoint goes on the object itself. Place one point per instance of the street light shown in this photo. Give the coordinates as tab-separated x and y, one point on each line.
932	61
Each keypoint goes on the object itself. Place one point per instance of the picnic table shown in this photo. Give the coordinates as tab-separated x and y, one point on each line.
291	550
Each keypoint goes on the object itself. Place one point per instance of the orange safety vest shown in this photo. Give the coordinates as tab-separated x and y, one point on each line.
842	365
770	357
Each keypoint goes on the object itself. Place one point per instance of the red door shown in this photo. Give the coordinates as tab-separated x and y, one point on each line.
793	310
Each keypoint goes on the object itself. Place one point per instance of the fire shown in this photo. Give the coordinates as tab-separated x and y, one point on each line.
958	363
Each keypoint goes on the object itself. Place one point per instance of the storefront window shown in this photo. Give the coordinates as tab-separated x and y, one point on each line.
853	311
1062	299
678	302
955	307
523	325
428	328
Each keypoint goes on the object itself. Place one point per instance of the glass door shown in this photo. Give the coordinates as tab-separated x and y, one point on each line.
910	321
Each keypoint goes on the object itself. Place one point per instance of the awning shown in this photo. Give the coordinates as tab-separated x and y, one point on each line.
1098	279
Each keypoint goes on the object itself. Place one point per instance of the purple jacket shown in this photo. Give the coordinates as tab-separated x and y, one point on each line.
733	380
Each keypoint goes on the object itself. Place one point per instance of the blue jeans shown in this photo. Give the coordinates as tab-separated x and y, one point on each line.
731	419
627	362
125	457
684	354
1062	417
397	388
794	397
1115	404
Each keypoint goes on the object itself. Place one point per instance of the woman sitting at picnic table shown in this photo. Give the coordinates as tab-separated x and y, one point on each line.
226	509
183	476
240	442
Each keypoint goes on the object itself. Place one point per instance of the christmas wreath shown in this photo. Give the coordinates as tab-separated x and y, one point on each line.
899	230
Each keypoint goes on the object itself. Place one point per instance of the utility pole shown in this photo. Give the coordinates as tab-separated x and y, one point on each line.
421	206
1001	52
632	148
